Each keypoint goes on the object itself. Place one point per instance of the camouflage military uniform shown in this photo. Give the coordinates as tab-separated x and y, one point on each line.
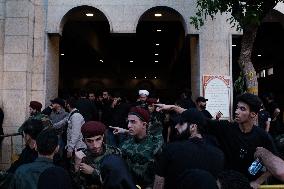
41	117
140	156
141	104
156	125
93	181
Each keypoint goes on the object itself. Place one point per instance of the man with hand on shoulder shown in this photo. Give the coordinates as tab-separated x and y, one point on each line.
88	161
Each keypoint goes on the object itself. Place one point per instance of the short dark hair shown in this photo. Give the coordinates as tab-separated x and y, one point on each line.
82	93
47	141
72	102
251	100
33	127
193	116
233	180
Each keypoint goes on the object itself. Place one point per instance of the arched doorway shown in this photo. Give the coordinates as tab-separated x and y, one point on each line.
161	33
83	49
158	53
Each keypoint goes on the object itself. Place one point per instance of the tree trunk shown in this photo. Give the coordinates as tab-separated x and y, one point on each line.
249	35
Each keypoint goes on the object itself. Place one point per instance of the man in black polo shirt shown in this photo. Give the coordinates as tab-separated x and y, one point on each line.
193	153
240	139
201	106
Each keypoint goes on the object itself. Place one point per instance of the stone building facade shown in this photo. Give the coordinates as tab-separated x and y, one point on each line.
29	46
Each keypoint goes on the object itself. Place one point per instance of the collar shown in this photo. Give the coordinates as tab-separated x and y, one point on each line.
98	155
140	140
59	111
44	159
73	110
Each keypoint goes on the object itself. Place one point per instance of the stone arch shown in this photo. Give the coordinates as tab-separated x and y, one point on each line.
275	16
85	9
168	11
53	41
279	7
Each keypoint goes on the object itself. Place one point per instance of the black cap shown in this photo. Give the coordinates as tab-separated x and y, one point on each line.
201	99
58	101
192	116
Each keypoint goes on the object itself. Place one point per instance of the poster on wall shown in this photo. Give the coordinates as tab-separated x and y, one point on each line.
216	89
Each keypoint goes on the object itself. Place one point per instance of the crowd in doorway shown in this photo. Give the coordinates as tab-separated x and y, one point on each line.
93	140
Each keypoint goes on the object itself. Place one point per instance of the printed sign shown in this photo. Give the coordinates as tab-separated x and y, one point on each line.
217	90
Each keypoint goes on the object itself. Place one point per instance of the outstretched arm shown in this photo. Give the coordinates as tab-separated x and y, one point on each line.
119	130
273	164
175	108
159	182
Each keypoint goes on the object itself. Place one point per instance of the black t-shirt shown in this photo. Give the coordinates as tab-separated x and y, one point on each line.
28	155
239	147
189	154
88	109
206	114
263	117
271	106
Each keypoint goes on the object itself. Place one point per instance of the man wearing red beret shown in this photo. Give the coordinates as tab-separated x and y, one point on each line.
156	119
140	149
35	113
88	161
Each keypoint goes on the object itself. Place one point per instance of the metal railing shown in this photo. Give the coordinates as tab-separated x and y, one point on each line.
13	156
272	186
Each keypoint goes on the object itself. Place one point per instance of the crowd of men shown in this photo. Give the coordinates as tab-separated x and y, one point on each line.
107	142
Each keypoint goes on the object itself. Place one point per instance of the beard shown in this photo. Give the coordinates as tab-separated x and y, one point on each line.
203	107
184	135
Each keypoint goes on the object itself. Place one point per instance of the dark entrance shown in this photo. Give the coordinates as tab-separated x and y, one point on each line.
156	57
267	58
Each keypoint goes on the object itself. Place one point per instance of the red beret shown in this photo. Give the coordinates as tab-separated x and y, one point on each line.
36	105
143	114
92	128
151	101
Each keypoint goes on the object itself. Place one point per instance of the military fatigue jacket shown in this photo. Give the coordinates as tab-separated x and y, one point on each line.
140	156
93	181
41	117
156	125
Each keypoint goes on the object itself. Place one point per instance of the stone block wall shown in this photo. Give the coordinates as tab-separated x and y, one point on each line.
17	53
29	47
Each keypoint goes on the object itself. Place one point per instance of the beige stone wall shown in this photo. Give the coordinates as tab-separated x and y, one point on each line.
38	62
214	42
2	24
123	16
18	52
2	30
215	48
38	30
29	46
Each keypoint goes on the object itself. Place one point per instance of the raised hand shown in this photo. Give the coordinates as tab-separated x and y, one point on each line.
118	130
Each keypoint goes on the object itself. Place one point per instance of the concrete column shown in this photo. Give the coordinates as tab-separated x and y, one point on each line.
16	75
195	66
2	27
215	47
52	67
38	66
18	52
